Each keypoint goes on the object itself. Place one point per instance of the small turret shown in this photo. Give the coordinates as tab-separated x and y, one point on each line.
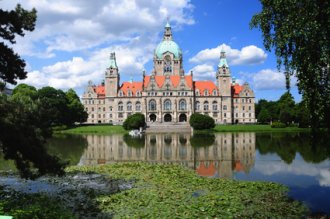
223	74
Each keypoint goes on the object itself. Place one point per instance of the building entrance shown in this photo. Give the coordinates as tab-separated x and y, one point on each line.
167	118
183	118
152	118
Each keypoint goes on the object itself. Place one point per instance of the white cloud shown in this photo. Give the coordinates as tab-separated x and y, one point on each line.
203	72
78	25
297	167
248	55
76	72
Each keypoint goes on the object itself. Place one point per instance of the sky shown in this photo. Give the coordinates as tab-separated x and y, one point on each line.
72	41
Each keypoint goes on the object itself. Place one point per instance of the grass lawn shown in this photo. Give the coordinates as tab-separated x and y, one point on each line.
94	129
255	128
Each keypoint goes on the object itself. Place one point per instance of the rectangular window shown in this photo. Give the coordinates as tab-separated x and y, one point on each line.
224	107
120	115
243	107
225	115
249	107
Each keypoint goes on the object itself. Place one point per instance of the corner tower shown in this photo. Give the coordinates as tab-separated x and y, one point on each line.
112	77
223	75
168	55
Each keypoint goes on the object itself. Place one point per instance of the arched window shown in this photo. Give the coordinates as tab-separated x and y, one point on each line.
129	93
206	92
167	105
197	93
129	106
120	106
152	105
214	105
121	93
215	93
206	106
197	105
138	93
138	106
182	105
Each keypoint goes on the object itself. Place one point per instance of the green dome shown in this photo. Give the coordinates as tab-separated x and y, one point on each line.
168	46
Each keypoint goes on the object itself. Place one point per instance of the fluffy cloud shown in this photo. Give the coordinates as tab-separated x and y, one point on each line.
248	55
76	73
78	25
203	72
319	171
269	79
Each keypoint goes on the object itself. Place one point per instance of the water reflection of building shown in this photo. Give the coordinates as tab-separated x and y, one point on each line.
227	154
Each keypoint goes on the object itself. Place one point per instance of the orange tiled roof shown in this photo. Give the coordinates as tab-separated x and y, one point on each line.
205	85
236	89
99	90
175	80
202	170
238	166
132	86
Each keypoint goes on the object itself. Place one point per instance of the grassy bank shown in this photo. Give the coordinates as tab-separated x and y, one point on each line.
166	191
256	128
94	129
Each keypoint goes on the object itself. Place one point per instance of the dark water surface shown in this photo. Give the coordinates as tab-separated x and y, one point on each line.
293	159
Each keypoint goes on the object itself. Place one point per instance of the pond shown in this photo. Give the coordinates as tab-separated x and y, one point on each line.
293	159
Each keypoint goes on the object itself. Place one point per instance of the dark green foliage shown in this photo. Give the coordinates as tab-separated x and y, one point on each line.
76	111
199	121
288	145
134	121
13	23
298	30
22	139
278	125
136	142
23	206
284	110
264	116
202	140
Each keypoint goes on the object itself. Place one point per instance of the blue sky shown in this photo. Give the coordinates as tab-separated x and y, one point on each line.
73	39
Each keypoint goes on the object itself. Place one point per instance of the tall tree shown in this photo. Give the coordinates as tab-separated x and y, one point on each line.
298	30
21	136
14	23
76	110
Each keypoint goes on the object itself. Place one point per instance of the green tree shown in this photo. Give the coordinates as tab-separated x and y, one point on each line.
286	105
53	106
199	121
21	136
134	121
264	116
13	23
76	111
298	30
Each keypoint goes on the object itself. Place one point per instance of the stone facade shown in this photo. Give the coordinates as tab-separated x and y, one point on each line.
168	94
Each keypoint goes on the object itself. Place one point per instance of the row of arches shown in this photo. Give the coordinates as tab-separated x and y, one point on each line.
168	117
167	105
206	106
129	106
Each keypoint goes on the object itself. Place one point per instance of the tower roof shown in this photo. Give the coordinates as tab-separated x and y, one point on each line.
113	63
168	45
223	59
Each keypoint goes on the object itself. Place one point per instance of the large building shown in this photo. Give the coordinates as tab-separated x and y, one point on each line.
168	95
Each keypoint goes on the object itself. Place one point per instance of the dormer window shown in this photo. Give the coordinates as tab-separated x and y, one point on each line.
197	93
214	92
121	93
206	93
129	93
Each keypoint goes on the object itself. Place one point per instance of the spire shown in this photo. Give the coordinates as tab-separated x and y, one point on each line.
223	60
168	31
113	63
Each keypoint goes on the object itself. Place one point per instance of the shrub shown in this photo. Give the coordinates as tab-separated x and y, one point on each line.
134	121
278	125
199	121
